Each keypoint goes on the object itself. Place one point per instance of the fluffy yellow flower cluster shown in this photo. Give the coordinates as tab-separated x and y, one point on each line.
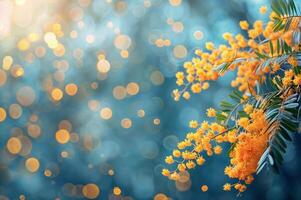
249	141
240	53
268	52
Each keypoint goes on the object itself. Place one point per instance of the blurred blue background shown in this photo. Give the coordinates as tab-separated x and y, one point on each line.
122	55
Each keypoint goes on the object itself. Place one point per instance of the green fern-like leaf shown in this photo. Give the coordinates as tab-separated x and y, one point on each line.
286	10
283	120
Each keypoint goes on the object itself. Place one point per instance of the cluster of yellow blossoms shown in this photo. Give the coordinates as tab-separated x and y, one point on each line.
250	134
248	146
240	53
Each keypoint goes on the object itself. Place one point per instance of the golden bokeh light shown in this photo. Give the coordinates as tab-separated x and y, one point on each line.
204	188
119	92
103	66
111	172
71	89
117	191
57	94
159	42
161	196
59	50
22	197
106	113
122	42
50	39
14	145
32	164
141	113
65	154
33	37
126	123
167	42
90	191
132	88
34	130
47	173
7	62
23	44
157	121
2	114
124	53
17	71
62	136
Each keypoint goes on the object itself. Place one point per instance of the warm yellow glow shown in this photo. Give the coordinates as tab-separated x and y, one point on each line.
33	37
91	191
122	42
132	88
59	50
2	114
57	94
141	113
103	66
124	54
47	173
50	39
14	145
117	191
62	136
7	62
106	113
157	121
23	44
71	89
111	172
160	196
119	92
126	123
32	164
64	154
